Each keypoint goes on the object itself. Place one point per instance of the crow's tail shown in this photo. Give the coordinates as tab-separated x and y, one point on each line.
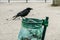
14	17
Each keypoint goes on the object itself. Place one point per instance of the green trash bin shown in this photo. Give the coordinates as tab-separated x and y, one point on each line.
32	29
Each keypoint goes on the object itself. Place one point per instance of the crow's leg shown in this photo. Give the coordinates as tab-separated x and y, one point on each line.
24	17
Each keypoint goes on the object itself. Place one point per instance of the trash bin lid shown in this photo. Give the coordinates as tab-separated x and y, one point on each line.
32	23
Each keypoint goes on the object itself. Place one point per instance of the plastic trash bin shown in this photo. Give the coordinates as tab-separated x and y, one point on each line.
33	29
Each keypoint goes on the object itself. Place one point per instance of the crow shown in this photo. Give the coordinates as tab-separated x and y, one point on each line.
23	13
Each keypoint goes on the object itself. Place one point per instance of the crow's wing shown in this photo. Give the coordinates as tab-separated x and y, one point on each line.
23	13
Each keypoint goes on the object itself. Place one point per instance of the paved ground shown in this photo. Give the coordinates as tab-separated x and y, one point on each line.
9	29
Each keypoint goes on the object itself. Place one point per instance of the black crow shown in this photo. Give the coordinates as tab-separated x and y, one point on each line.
23	13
